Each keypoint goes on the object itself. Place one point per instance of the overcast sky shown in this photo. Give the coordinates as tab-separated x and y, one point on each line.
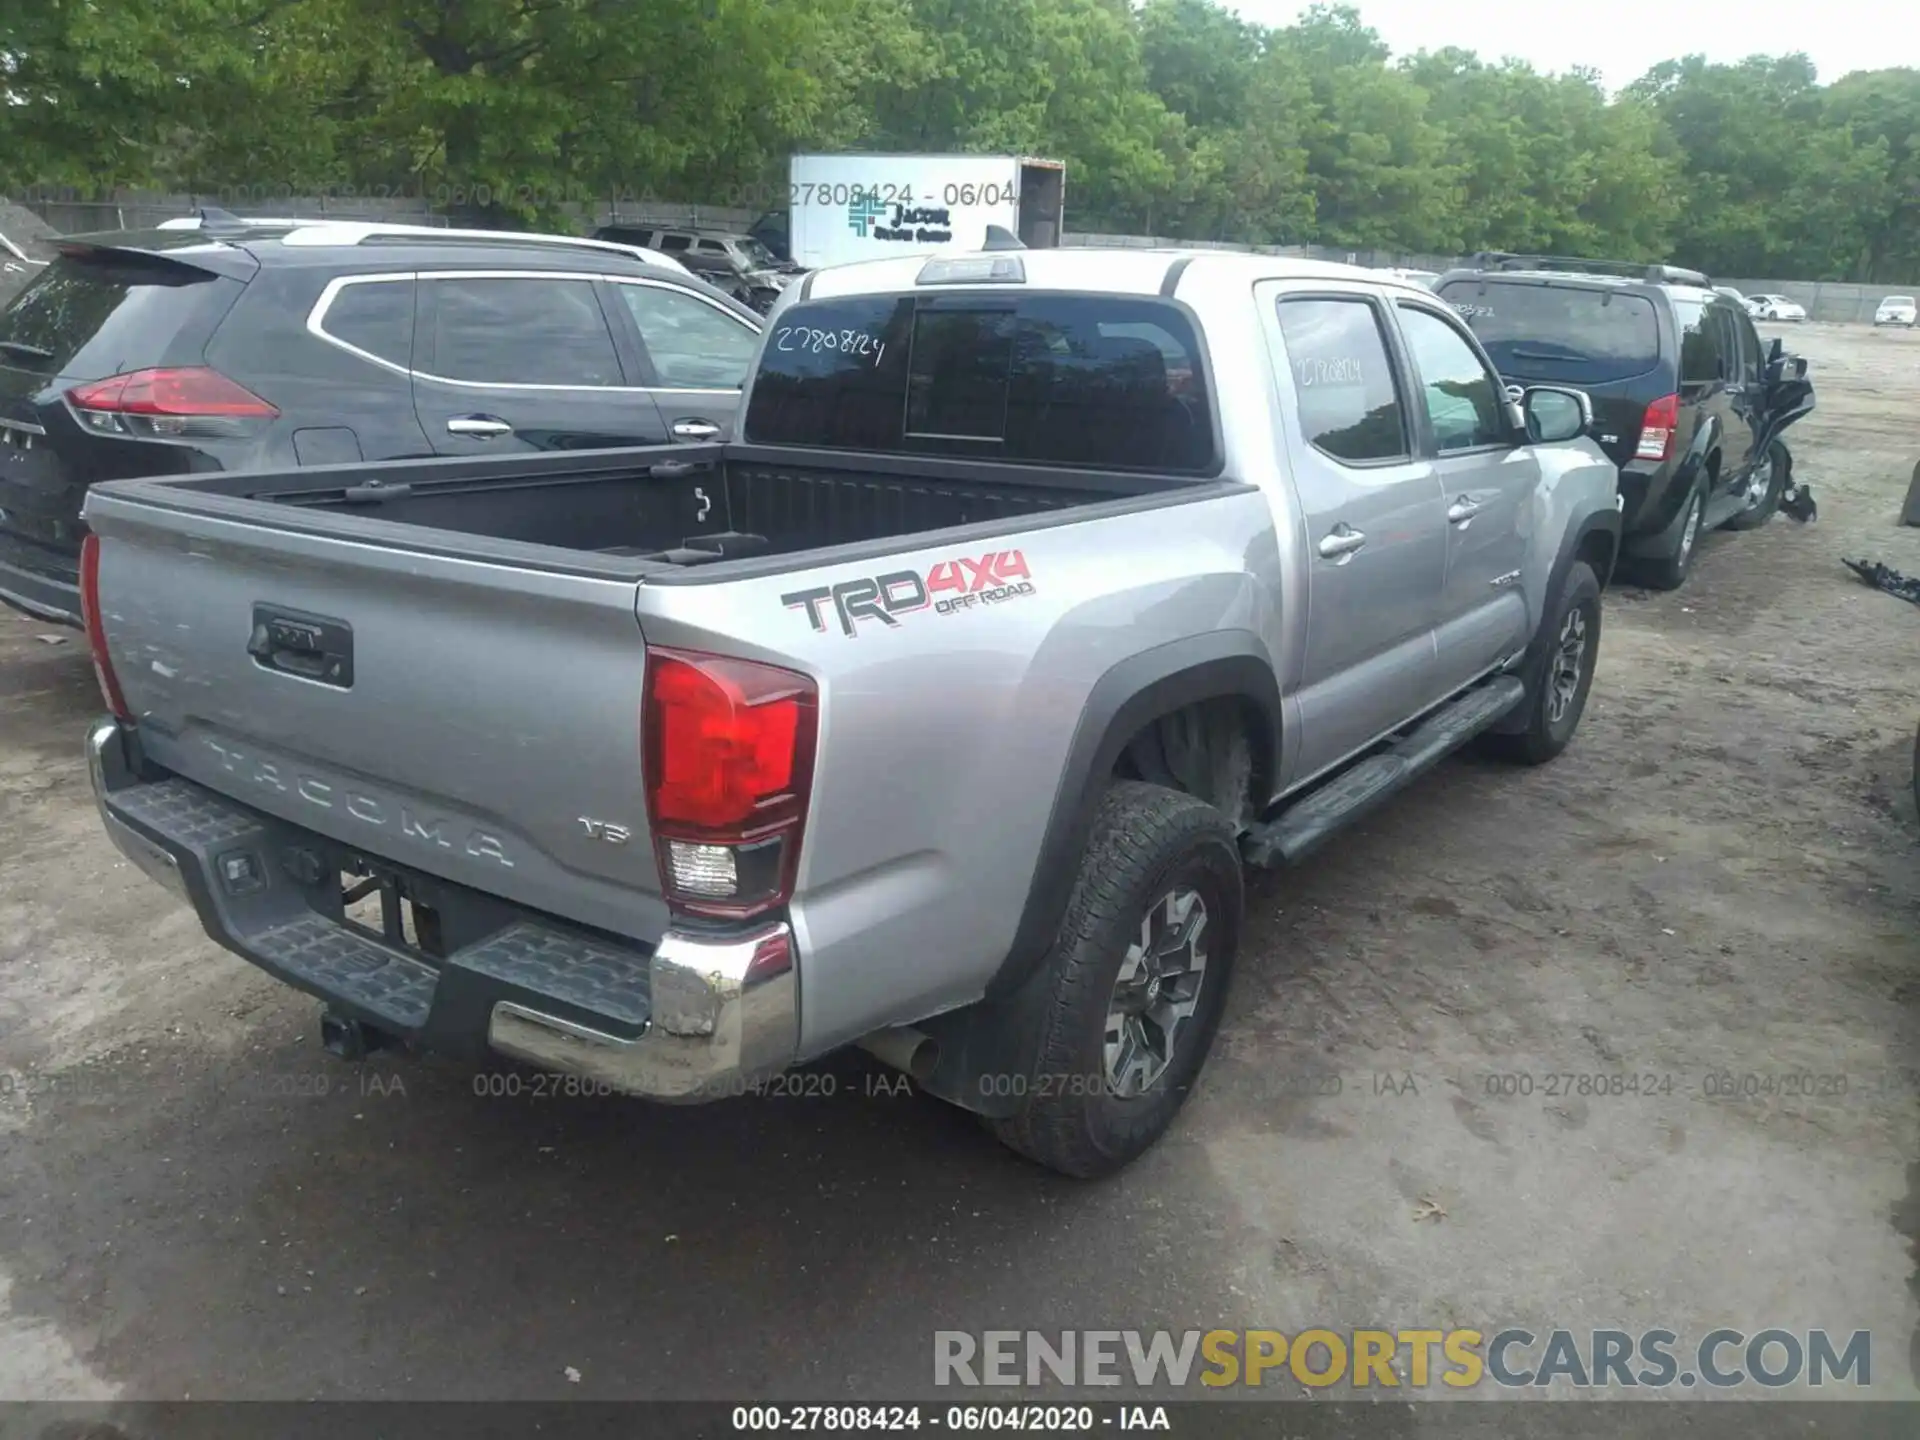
1623	39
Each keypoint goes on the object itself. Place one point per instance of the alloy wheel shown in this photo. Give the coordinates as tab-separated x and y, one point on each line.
1569	663
1156	993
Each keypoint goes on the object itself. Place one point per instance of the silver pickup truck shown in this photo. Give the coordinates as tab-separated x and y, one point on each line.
938	715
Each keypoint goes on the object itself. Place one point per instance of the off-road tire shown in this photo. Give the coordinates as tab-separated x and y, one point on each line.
1146	841
1670	571
1545	736
1758	515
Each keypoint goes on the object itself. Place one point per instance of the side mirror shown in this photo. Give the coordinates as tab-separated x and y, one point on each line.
1554	414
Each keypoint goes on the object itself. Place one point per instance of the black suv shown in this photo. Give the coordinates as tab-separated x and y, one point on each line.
1686	401
244	345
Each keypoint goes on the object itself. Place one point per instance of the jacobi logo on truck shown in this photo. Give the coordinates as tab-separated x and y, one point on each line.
948	588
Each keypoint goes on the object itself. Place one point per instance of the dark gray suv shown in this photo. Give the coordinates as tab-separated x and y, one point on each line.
254	345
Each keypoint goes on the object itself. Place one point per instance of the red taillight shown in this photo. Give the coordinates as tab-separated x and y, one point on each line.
728	748
96	630
1657	427
190	391
189	403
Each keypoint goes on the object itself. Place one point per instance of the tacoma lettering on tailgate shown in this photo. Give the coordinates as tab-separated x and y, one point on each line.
949	587
386	814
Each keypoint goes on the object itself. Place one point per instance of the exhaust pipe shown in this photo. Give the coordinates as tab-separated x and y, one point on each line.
904	1048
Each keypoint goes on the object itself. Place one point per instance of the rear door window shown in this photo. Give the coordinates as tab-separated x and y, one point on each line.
523	330
1701	342
88	318
1102	381
1572	334
1343	380
1750	347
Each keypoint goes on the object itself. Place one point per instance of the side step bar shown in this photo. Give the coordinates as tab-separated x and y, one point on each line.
1307	824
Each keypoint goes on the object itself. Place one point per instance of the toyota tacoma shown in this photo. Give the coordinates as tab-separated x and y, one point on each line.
938	714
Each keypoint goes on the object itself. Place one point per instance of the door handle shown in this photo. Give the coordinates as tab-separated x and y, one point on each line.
1463	510
695	430
1339	545
481	427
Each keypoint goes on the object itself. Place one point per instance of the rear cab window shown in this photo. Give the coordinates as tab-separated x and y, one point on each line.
1577	335
88	317
1094	381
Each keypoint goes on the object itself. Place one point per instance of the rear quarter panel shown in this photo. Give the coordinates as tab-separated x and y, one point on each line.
945	734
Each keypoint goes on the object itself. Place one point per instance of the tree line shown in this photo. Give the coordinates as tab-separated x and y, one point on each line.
1175	118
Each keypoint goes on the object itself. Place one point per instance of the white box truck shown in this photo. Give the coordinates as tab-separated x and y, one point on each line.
869	207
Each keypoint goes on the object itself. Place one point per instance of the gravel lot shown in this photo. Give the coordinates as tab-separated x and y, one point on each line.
1718	881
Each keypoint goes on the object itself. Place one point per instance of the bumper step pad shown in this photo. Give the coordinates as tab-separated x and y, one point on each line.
282	926
330	958
572	968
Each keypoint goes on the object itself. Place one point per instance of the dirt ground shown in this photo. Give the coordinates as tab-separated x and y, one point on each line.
1714	891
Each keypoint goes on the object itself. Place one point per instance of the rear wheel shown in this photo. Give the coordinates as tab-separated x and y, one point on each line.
1670	571
1765	486
1139	973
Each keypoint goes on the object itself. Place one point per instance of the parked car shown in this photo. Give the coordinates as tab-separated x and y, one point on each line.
1424	278
1732	294
738	264
1044	591
1777	307
1895	310
1691	406
263	345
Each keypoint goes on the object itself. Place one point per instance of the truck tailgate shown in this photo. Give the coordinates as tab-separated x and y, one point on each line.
474	720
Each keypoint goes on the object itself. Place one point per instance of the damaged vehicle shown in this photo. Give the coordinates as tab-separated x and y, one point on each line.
1689	403
737	265
939	714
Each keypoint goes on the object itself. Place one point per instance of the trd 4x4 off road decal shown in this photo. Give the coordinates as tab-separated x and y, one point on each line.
950	586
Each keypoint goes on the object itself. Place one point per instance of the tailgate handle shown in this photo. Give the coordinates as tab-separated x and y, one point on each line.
310	647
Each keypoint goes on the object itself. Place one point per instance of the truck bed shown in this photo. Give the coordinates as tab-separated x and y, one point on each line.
678	507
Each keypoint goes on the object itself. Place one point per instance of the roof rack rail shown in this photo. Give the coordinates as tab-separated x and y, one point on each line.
362	232
1656	274
321	230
